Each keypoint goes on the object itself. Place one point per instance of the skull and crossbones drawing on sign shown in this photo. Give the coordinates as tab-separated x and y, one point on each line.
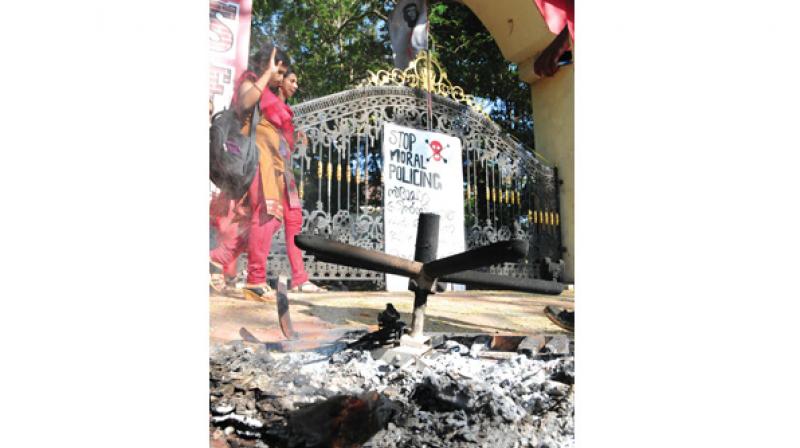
437	149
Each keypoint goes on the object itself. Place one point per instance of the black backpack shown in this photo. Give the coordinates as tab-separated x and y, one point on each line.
233	157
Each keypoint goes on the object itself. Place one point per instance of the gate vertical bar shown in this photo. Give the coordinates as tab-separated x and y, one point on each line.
339	177
475	181
366	173
347	173
488	192
557	224
329	172
319	176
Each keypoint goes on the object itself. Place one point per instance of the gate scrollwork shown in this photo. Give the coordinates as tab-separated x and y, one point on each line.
508	190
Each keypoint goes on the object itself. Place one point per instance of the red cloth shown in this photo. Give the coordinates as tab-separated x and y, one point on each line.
226	217
557	14
254	233
293	224
273	108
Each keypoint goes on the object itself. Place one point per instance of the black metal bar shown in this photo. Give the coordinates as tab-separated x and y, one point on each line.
328	170
335	252
557	188
485	280
488	193
427	245
475	180
366	175
331	251
319	176
347	177
500	252
358	177
425	270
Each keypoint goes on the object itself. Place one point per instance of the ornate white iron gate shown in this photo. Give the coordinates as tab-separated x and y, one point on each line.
508	191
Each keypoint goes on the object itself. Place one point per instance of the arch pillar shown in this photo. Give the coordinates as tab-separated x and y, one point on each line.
553	102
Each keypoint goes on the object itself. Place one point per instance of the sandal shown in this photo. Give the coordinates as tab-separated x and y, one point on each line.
258	293
308	287
230	286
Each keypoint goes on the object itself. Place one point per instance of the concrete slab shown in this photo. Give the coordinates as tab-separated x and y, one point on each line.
493	312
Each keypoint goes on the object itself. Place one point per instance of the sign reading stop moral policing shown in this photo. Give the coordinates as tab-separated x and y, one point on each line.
422	172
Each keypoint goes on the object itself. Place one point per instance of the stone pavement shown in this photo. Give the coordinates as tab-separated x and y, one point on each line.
453	311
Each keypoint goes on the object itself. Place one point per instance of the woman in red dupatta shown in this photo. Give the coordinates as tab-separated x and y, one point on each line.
269	201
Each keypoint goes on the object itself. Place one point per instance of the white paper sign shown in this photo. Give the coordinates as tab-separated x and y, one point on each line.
422	172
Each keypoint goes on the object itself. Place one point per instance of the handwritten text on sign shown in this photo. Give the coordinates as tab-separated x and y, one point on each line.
422	172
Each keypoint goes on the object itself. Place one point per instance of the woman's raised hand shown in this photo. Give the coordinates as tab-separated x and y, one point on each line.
272	68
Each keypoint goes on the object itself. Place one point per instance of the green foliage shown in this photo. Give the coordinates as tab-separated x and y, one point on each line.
335	42
473	61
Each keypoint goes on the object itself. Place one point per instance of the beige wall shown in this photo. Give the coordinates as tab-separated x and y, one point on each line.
516	26
554	133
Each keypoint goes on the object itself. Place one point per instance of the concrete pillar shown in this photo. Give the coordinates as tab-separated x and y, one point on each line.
554	138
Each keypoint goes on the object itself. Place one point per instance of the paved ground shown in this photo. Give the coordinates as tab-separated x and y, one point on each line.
463	312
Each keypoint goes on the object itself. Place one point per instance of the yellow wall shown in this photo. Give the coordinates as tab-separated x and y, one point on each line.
554	133
520	33
516	26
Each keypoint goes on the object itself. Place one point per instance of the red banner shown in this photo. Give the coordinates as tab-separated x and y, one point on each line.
229	41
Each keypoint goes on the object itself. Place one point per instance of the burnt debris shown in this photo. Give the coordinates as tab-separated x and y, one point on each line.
390	329
452	397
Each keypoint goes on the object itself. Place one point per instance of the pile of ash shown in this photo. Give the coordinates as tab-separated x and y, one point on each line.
451	397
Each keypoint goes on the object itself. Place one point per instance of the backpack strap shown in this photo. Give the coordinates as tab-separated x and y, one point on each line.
254	119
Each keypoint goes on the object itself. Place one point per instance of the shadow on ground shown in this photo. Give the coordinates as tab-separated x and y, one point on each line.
369	316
